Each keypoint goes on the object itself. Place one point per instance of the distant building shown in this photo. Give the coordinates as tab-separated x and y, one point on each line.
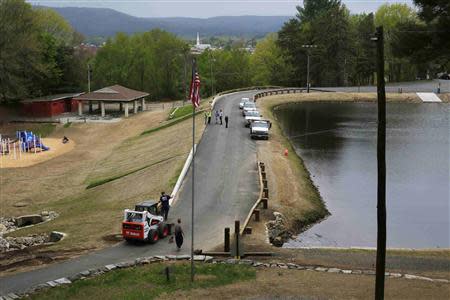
199	48
50	106
89	49
115	94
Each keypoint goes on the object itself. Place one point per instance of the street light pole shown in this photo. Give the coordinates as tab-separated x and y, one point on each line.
309	46
212	74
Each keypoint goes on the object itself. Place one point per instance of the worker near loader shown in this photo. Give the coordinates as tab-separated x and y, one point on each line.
165	206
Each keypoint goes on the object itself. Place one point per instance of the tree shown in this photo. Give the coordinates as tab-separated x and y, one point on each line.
390	16
152	61
364	51
325	24
52	23
267	63
20	59
426	42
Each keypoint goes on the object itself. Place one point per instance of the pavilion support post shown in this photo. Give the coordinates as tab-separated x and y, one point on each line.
80	108
135	107
102	108
120	106
126	109
90	107
143	104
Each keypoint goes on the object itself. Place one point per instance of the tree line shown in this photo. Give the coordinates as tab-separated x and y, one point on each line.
38	52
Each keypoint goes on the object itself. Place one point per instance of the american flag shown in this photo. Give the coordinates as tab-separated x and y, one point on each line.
194	93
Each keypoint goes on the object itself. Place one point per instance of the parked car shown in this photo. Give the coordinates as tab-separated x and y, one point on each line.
260	129
252	115
445	76
248	106
243	101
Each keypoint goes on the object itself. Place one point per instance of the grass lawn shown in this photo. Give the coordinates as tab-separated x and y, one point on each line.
149	282
181	111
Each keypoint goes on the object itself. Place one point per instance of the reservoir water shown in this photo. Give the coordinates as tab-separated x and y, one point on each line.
337	142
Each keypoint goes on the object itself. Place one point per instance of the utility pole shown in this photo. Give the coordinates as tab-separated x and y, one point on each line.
381	167
184	79
89	85
309	46
89	77
211	60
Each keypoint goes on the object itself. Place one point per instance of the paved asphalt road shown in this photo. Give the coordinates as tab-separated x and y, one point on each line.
226	189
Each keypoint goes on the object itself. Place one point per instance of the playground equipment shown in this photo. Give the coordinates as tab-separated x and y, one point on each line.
30	142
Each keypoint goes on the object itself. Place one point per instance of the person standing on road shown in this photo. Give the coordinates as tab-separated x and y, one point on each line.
226	121
179	234
216	115
221	116
165	206
209	117
206	117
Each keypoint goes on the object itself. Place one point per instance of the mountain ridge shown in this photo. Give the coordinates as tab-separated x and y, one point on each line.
107	22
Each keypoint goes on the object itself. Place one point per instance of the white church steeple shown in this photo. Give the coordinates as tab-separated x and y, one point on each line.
198	39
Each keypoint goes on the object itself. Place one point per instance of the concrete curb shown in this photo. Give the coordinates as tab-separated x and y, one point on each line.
204	259
183	173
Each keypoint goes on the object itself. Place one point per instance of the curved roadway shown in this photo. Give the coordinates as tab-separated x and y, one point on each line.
226	184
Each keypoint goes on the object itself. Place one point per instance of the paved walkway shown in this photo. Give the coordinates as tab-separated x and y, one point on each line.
226	189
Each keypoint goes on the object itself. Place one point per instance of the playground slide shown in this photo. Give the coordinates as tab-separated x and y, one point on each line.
29	141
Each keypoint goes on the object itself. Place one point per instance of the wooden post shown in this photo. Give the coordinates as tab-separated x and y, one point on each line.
264	176
256	213
226	242
264	202
265	184
237	230
266	193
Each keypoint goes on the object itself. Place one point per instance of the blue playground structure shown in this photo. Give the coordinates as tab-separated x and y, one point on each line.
29	141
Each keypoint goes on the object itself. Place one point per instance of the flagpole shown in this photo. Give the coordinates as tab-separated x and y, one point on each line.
194	66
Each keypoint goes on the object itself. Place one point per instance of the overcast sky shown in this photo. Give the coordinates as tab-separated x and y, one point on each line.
207	8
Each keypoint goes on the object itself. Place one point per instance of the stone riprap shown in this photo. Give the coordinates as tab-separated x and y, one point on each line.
276	230
10	224
205	259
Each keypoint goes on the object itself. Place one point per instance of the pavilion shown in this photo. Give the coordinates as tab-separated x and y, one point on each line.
115	94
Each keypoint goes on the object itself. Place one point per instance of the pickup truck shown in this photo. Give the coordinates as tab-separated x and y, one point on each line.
260	129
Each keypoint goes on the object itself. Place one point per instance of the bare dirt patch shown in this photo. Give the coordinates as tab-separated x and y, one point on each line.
28	159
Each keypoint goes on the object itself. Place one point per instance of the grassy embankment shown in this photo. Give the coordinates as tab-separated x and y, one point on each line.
293	192
220	281
119	175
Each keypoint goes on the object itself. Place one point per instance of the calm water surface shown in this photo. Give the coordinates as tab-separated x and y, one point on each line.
338	144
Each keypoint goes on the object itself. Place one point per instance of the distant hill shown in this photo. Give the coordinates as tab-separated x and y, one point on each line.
107	22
